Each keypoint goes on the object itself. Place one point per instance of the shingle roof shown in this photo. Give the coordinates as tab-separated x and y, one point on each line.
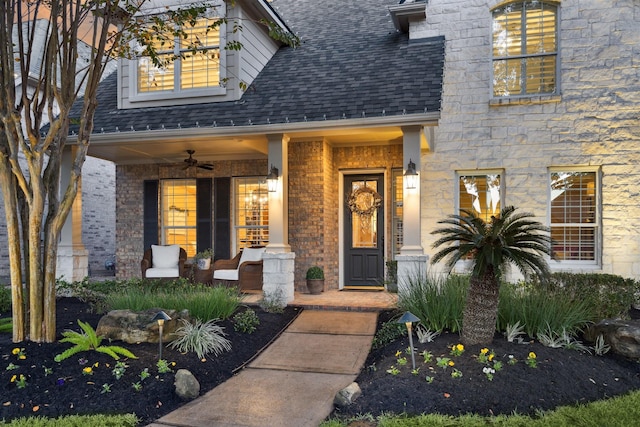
351	63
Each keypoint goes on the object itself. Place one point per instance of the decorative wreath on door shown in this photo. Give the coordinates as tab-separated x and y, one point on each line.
364	201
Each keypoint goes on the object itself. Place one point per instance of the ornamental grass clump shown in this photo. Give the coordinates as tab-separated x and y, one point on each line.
201	338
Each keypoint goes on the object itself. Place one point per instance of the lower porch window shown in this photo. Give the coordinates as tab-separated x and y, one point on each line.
251	212
178	214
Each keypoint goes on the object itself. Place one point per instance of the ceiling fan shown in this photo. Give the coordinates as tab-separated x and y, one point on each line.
190	162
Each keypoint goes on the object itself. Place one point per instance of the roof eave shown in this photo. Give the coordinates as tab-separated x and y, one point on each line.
401	14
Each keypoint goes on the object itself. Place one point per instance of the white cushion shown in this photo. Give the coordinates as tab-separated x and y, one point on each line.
162	272
225	274
251	254
165	256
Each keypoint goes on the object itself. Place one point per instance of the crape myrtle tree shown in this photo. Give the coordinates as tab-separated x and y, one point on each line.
43	73
510	238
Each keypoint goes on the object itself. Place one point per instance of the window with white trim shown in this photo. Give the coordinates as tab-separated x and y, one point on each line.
480	193
251	212
574	215
525	49
178	213
397	195
184	69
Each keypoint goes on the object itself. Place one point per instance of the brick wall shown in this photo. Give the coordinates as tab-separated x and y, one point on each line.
129	202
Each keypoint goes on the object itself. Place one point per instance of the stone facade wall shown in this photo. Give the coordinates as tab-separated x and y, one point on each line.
592	122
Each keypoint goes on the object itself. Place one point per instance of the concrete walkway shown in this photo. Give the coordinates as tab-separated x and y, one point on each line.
293	382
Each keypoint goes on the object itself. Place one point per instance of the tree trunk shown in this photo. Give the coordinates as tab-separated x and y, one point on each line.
481	310
9	188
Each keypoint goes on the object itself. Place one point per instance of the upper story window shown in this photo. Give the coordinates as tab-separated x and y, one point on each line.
192	62
525	49
481	193
574	215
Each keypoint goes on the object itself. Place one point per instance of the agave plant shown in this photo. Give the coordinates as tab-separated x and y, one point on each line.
510	238
88	340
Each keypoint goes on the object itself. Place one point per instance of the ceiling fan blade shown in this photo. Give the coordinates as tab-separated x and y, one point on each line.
207	167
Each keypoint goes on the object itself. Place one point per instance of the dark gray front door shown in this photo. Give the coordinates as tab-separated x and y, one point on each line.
364	230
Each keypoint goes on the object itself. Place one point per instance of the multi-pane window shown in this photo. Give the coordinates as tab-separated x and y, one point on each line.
574	215
178	214
251	206
183	68
525	48
481	194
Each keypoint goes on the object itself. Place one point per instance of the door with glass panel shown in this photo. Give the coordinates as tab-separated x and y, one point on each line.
364	230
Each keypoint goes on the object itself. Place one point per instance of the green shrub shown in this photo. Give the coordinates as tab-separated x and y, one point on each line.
315	272
201	338
606	295
5	299
6	325
389	332
246	321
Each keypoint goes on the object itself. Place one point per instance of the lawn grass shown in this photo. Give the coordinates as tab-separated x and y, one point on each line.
620	411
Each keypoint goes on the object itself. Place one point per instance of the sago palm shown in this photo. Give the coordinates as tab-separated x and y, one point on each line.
511	238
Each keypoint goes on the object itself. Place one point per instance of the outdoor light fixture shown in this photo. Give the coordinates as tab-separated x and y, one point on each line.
411	176
272	179
408	318
160	318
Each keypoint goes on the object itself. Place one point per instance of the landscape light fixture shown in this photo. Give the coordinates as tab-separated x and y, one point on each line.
408	318
411	176
272	179
160	318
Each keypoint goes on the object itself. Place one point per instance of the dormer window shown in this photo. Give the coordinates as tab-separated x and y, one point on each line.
184	70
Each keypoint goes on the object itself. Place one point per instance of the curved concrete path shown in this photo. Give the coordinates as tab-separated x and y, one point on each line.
293	382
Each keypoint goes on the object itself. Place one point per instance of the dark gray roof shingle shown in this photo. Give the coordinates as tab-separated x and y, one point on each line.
351	63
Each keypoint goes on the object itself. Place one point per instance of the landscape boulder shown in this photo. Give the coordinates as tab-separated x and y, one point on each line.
138	326
187	386
347	395
623	336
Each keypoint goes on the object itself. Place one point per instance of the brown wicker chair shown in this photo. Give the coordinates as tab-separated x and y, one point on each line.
248	270
149	271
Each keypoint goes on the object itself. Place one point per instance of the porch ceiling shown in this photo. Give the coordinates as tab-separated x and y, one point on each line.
213	144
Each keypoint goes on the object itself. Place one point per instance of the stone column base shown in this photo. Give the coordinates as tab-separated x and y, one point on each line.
278	277
72	263
410	269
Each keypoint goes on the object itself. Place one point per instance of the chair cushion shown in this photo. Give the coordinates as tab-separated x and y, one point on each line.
225	275
165	256
251	254
162	272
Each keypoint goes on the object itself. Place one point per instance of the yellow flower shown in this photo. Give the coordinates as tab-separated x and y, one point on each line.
173	363
451	363
15	351
95	365
87	371
398	353
490	357
484	351
460	347
13	379
22	357
532	355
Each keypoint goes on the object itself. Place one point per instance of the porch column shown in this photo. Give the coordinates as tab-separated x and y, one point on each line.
278	260
412	261
73	257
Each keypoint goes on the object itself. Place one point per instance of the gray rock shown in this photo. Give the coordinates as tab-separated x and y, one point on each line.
622	335
347	395
136	327
187	386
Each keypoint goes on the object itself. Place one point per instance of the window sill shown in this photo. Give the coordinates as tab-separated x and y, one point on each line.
560	266
525	100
